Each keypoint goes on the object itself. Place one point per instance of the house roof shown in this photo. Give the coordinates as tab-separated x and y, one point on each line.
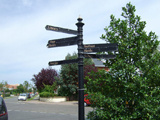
13	86
98	63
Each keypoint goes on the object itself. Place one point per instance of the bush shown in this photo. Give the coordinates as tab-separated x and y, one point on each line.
49	88
46	94
7	95
62	91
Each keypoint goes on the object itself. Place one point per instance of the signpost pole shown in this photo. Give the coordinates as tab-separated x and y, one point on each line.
83	51
80	70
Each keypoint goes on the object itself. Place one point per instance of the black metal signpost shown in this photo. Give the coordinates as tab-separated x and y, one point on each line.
88	50
100	45
80	70
83	51
62	40
99	56
63	30
63	62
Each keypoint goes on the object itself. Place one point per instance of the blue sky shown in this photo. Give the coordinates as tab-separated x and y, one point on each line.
23	37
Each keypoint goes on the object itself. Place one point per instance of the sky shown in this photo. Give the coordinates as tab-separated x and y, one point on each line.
23	37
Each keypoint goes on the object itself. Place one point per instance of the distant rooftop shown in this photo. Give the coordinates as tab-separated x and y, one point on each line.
98	63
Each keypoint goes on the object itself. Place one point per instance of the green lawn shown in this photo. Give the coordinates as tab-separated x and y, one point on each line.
32	98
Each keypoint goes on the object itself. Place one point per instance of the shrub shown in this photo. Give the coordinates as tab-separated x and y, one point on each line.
7	95
46	94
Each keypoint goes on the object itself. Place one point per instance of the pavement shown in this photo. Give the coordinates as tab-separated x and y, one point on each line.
36	101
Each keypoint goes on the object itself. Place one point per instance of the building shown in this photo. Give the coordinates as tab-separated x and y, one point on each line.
99	64
13	86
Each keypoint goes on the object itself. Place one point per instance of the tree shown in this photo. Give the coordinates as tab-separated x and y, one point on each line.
26	86
131	89
45	76
69	76
34	89
20	89
87	70
3	87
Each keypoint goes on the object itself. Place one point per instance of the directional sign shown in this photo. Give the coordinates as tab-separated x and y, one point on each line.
99	56
62	44
63	30
63	62
89	50
63	40
100	45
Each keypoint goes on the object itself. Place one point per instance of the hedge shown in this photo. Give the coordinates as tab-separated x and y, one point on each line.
46	94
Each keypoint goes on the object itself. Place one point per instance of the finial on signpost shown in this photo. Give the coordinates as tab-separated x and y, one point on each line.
80	21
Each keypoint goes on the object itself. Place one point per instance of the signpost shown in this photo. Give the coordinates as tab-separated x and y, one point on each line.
100	45
80	70
62	42
99	56
62	62
99	49
63	30
83	51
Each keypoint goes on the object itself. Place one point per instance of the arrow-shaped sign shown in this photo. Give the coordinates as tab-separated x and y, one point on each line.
63	62
100	45
89	50
99	56
62	42
63	30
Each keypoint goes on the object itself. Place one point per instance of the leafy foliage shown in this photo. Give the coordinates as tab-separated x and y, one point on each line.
3	84
46	94
50	88
20	89
87	70
130	90
26	85
45	76
69	76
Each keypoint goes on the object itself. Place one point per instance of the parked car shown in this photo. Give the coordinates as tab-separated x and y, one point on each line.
22	96
32	94
86	100
28	95
3	110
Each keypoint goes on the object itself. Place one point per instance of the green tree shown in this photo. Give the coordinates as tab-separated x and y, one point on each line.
131	89
14	91
3	86
69	76
34	89
20	89
26	86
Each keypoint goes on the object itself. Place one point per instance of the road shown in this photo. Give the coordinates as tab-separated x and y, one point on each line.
37	110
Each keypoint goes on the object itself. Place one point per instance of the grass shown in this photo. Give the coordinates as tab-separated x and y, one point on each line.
32	98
